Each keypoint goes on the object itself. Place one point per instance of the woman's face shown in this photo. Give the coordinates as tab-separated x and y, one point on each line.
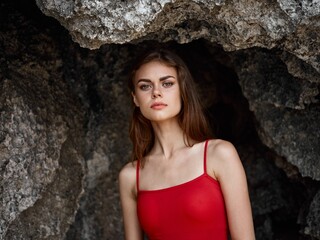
157	92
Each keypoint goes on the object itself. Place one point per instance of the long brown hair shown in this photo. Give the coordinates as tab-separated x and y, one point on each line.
191	117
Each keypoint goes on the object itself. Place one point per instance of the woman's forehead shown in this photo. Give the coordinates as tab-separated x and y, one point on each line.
154	69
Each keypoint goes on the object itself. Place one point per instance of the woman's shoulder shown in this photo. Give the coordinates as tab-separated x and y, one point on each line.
222	156
220	146
128	173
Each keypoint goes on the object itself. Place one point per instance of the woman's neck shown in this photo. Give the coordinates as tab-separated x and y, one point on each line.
169	137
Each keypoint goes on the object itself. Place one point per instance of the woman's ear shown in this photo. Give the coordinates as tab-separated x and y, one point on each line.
134	99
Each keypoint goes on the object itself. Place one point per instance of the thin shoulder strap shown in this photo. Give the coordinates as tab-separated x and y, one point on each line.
137	174
205	157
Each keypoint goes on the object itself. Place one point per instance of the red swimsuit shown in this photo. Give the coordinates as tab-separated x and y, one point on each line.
193	210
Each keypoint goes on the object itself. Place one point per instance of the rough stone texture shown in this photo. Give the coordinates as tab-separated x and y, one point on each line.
41	136
26	144
51	215
237	24
74	111
274	198
313	220
34	130
283	93
107	142
285	106
64	110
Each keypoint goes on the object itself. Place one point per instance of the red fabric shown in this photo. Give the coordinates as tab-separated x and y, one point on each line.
193	210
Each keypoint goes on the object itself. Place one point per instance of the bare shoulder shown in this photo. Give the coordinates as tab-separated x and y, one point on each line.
221	149
222	157
127	176
128	169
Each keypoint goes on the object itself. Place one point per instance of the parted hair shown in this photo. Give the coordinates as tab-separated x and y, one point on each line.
191	118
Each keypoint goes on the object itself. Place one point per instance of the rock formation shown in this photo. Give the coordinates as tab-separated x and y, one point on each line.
65	109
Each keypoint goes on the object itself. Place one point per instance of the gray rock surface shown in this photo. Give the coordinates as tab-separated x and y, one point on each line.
237	24
34	132
41	129
313	220
285	106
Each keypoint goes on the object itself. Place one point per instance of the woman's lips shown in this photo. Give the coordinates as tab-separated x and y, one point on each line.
158	105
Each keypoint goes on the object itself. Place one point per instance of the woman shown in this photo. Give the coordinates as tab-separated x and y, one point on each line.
180	185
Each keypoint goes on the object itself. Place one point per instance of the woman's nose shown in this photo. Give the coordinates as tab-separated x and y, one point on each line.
156	93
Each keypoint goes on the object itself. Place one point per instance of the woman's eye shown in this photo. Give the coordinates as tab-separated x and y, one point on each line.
167	84
145	87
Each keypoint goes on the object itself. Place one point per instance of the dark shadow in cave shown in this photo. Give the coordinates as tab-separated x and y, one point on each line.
227	108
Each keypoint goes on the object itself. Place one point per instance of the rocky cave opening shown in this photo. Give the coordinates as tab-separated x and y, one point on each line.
64	124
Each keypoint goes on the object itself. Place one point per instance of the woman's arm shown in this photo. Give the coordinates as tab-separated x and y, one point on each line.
227	168
127	188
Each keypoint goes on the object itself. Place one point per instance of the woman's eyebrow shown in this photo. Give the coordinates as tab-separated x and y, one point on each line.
166	77
143	80
161	79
